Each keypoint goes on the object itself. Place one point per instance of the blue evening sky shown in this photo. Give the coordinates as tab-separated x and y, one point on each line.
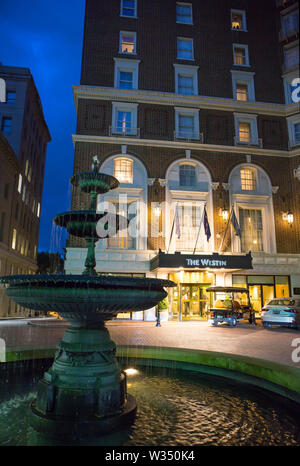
47	38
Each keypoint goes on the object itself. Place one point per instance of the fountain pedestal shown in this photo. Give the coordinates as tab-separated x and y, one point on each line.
84	392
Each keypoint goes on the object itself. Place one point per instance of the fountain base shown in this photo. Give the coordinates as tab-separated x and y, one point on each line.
84	392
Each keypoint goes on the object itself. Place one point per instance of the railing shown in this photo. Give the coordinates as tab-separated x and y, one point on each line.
238	142
189	136
124	132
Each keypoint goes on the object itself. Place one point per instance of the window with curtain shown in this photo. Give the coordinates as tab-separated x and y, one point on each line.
240	57
244	132
251	229
123	122
123	170
242	92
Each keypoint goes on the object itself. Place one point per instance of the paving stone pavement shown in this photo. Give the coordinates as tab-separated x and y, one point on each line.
270	344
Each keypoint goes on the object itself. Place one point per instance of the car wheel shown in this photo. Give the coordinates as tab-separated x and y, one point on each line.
233	321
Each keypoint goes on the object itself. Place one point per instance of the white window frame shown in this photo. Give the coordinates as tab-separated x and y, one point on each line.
128	66
187	112
186	39
293	120
241	46
135	10
293	45
128	33
243	14
186	70
185	4
243	77
246	118
287	81
124	107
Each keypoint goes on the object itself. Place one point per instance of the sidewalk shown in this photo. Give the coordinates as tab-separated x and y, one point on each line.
246	340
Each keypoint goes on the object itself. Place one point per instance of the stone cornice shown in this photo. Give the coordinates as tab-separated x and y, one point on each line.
238	150
172	99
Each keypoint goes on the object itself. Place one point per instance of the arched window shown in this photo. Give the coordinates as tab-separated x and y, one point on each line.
187	175
123	170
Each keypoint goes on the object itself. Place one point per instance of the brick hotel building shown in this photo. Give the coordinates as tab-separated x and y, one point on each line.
193	104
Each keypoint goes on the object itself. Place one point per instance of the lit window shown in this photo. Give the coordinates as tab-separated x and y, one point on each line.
127	42
124	119
247	179
6	125
185	49
184	13
20	183
240	55
251	227
244	132
187	175
38	209
128	8
123	170
241	92
14	239
238	20
11	97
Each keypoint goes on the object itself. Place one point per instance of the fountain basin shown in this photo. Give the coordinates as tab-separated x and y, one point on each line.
94	182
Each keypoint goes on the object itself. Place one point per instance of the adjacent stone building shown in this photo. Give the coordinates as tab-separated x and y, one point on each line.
24	136
194	107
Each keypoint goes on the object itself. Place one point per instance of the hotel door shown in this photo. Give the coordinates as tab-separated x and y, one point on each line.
260	295
194	301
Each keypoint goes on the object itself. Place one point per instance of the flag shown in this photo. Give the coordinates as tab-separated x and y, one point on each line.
235	223
206	225
177	223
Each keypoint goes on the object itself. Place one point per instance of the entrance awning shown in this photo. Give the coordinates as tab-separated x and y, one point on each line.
201	261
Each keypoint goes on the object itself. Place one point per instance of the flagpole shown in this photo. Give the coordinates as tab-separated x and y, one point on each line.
199	229
172	228
220	248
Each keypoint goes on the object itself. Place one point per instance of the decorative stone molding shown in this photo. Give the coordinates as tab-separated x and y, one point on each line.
124	149
188	153
275	189
162	182
150	181
225	186
215	185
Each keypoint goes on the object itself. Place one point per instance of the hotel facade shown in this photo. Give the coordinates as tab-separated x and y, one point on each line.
194	108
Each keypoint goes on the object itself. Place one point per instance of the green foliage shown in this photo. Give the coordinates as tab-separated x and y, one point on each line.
164	304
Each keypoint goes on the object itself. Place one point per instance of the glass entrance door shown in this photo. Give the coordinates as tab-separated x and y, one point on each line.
194	302
260	295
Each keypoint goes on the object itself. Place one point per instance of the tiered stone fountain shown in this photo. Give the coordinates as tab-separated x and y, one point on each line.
84	393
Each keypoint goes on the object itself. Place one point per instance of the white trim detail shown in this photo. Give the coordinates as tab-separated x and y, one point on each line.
187	71
243	77
129	66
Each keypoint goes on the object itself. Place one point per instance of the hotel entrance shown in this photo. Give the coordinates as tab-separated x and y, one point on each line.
189	300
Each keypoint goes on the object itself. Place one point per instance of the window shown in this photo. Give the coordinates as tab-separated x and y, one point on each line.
123	170
124	119
290	23
294	130
187	175
128	8
20	183
184	13
238	20
186	123
243	85
185	49
186	79
14	239
127	42
6	125
251	229
126	73
244	132
240	55
246	129
11	97
247	179
291	57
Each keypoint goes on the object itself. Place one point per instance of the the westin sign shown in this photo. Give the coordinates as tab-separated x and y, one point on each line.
197	261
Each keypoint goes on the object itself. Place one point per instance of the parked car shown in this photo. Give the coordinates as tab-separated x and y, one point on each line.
281	311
